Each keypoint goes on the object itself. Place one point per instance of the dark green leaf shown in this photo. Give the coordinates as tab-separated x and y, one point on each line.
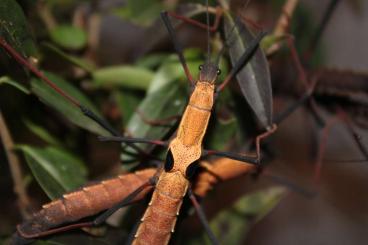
123	76
223	131
171	70
166	98
231	225
127	101
7	80
59	103
245	212
69	37
142	12
14	28
56	170
82	63
254	79
42	133
167	102
151	61
15	31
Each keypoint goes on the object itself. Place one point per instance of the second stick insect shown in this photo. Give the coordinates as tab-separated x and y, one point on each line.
185	149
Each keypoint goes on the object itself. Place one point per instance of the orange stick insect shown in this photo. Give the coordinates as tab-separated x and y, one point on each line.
104	195
184	151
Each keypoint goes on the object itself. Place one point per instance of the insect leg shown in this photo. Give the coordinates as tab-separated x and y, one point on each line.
309	194
132	140
218	14
245	158
322	26
159	122
345	117
102	218
202	217
234	156
246	56
87	112
177	46
284	114
99	220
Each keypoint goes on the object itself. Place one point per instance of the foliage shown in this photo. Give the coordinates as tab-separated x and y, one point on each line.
149	84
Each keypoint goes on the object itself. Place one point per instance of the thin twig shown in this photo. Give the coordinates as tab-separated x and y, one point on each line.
46	16
283	23
15	168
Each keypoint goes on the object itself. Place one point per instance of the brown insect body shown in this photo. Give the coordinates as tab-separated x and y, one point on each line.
159	220
85	202
53	214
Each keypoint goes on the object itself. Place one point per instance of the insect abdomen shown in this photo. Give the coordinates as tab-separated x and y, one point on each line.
85	202
159	220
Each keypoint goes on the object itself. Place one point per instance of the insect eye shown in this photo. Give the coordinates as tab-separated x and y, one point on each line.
200	67
218	71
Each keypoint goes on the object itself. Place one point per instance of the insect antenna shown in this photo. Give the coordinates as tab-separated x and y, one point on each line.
178	48
208	34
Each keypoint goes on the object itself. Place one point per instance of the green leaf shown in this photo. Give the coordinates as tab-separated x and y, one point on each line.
167	102
142	12
123	76
127	101
171	70
151	61
68	110
56	170
222	131
7	80
42	133
231	225
69	37
75	60
166	98
14	29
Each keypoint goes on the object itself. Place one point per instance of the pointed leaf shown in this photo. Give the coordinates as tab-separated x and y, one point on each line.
166	97
56	170
15	31
75	60
69	37
42	133
167	102
127	101
142	12
123	76
19	86
59	103
254	79
171	70
231	225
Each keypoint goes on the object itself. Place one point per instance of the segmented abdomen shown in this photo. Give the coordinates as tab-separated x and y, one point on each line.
159	220
88	201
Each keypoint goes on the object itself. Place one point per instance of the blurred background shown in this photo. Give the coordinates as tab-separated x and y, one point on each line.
116	57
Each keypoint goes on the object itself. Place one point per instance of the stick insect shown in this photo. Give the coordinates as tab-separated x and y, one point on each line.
76	205
185	149
200	106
